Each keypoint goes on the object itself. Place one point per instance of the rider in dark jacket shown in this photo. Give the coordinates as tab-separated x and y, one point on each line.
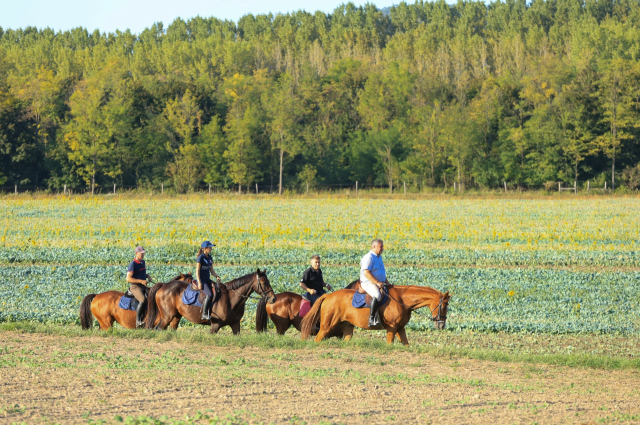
137	276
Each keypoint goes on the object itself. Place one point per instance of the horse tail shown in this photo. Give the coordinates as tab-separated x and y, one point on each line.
311	318
86	317
152	305
261	315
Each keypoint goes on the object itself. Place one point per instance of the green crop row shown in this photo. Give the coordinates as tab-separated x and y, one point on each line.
522	300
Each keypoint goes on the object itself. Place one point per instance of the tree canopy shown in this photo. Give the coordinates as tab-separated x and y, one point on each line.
426	93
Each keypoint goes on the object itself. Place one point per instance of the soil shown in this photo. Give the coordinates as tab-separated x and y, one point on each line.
60	379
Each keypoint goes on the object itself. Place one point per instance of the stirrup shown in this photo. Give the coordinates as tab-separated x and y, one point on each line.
375	320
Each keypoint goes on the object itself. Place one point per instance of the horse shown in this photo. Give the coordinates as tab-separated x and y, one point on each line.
335	310
104	307
166	307
285	312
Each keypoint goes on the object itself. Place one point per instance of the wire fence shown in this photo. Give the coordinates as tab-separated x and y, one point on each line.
349	187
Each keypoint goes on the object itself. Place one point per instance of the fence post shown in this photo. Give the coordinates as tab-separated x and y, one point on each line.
405	187
575	187
256	188
307	187
559	186
65	189
454	187
162	190
588	185
605	185
16	189
356	188
114	188
209	189
505	186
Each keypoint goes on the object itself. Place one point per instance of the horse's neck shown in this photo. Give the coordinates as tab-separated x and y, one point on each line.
240	296
417	297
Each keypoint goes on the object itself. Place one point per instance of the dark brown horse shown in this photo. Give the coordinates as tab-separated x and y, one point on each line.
104	307
285	312
166	307
335	310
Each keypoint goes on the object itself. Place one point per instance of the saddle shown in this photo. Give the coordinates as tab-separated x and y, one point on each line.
201	295
362	299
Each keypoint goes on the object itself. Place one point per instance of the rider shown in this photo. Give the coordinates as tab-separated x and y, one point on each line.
204	269
137	276
373	277
313	282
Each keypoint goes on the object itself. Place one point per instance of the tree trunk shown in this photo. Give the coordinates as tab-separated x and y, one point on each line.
280	184
93	175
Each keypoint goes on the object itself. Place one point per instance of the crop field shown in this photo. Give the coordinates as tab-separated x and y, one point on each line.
547	276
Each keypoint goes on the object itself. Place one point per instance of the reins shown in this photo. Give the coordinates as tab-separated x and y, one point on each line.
438	318
260	288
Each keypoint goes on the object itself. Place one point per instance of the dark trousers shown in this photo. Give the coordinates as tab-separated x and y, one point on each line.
314	297
206	288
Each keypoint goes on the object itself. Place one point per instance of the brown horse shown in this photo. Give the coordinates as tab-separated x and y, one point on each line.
285	312
335	310
166	307
104	307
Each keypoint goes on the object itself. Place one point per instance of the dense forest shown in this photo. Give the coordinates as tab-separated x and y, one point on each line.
428	94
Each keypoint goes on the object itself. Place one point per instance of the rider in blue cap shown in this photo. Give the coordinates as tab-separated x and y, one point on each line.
204	270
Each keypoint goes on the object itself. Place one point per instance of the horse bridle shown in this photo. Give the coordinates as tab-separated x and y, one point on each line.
438	319
263	294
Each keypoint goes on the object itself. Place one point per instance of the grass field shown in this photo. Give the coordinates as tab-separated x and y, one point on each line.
535	281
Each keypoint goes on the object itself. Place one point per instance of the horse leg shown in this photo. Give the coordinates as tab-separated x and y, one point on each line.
390	337
282	325
174	323
105	322
215	327
235	328
403	336
347	330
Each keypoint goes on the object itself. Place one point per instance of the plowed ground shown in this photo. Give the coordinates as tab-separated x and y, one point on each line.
61	379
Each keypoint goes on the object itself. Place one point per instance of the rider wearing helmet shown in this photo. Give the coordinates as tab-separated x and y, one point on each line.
137	276
204	270
373	277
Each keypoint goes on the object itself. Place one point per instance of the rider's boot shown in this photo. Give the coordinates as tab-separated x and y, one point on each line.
206	306
140	314
374	317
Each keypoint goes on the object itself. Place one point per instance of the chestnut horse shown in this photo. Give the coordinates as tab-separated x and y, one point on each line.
285	312
166	307
104	307
335	310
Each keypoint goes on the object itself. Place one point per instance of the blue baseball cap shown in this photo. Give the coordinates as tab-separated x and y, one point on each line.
207	244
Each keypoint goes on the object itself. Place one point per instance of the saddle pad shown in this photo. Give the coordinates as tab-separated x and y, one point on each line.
191	297
128	303
364	300
196	297
305	306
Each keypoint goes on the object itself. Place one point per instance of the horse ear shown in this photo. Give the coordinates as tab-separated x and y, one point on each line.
264	272
258	271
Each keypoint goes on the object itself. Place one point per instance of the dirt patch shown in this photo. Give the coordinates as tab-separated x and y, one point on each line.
63	379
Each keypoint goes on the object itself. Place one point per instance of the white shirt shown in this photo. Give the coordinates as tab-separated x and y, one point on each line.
374	264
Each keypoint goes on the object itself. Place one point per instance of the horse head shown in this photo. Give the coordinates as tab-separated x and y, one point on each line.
438	308
262	286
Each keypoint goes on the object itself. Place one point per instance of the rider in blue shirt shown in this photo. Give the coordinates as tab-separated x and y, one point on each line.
204	270
137	276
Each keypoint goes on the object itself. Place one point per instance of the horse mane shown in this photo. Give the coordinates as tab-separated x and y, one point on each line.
238	282
352	284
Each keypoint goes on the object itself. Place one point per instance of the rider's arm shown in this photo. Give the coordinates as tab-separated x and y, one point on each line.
213	272
130	279
198	265
370	278
149	278
306	288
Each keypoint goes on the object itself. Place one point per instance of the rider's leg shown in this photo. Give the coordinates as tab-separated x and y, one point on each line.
206	305
374	291
138	292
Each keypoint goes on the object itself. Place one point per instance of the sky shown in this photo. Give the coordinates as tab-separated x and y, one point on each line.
136	15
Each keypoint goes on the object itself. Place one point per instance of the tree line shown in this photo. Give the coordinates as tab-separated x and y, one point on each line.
428	93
